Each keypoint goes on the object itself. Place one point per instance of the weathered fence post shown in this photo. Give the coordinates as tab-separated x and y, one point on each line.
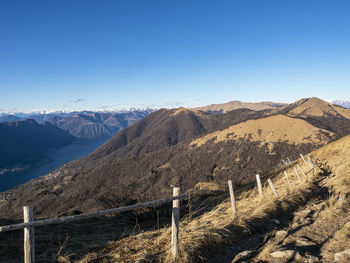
272	187
259	185
311	163
302	172
233	201
302	157
29	240
286	175
297	174
175	222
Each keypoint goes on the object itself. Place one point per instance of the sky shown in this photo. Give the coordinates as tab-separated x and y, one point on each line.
109	54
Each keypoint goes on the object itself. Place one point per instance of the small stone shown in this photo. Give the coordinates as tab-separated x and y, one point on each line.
305	242
243	255
286	254
344	255
305	220
310	259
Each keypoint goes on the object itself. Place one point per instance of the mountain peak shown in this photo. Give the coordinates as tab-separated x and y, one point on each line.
309	107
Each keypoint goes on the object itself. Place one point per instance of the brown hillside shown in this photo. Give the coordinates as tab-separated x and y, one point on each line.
319	113
138	155
314	107
308	222
270	130
144	165
166	128
233	105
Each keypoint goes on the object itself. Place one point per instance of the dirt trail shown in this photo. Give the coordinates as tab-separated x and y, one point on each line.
301	236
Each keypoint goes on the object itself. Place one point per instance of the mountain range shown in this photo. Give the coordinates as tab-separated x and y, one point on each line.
343	103
84	124
187	148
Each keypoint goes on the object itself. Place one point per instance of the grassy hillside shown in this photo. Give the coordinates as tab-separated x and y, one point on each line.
308	222
320	114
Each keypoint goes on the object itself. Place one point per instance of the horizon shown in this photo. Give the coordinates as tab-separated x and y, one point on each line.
342	103
89	55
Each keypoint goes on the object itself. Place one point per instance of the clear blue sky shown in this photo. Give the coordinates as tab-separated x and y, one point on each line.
71	54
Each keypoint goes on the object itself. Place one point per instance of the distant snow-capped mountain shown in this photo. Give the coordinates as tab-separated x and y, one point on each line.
84	124
343	103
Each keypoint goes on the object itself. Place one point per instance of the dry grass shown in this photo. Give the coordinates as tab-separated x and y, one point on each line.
207	234
317	108
329	226
233	105
268	130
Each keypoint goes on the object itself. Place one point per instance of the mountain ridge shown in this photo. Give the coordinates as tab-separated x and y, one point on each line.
85	124
233	105
154	153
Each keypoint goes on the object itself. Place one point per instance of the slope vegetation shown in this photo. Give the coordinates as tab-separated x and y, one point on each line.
270	130
307	222
320	114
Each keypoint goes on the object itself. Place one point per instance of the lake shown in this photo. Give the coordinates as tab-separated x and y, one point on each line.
60	157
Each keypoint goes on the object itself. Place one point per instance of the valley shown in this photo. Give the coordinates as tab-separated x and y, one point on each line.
175	131
57	158
31	144
193	149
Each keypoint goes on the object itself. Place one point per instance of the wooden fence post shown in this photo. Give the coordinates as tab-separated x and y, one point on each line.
272	187
233	201
297	174
175	222
302	157
286	175
29	240
259	185
302	172
311	163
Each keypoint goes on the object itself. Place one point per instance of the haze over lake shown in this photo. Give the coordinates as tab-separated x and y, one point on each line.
60	157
